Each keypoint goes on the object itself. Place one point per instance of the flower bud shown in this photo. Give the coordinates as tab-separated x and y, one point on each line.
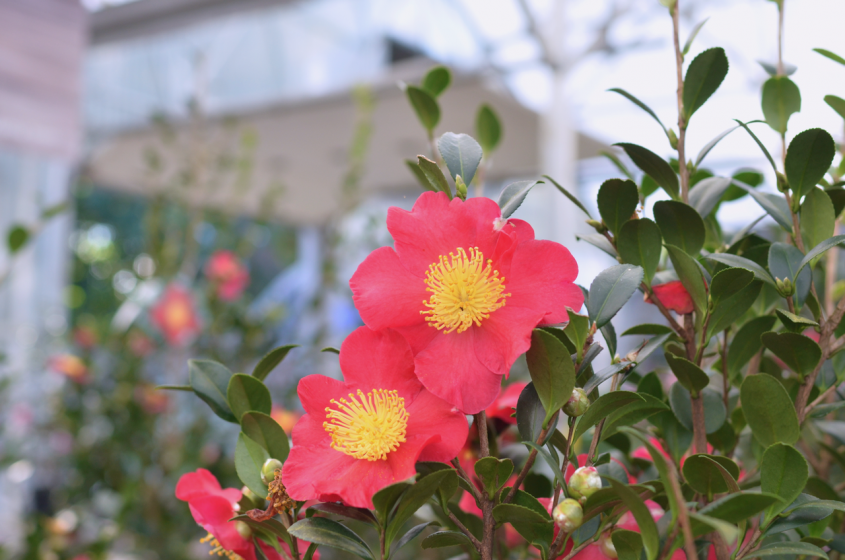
460	187
673	139
783	183
606	545
597	225
577	404
584	482
268	471
568	515
785	287
243	530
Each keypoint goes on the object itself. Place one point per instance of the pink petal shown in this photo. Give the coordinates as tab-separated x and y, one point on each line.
379	360
432	416
385	293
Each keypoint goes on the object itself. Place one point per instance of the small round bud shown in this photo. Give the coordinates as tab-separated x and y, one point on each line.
568	515
577	404
597	225
268	471
606	545
783	183
673	139
584	482
243	530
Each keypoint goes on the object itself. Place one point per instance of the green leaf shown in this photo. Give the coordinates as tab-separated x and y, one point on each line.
330	349
17	238
774	205
600	241
654	166
712	144
769	410
425	106
703	524
807	159
54	210
437	80
513	195
488	129
803	511
628	544
434	176
247	394
441	539
831	504
493	473
794	323
800	353
781	98
385	499
603	375
461	153
707	193
358	514
831	55
330	533
570	196
702	473
633	413
747	342
785	262
689	375
210	381
412	533
729	282
642	515
817	217
612	289
617	201
663	468
836	103
533	527
726	311
417	172
648	328
639	104
552	371
577	331
714	408
787	549
413	499
692	36
530	414
816	251
269	362
249	458
639	243
736	261
267	433
603	407
736	508
703	78
690	275
186	388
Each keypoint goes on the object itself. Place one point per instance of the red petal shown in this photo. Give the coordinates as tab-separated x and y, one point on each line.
673	296
385	293
432	416
379	360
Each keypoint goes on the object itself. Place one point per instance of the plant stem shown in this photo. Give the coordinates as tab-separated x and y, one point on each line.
726	384
682	122
463	474
531	458
464	530
683	516
665	312
781	71
698	425
486	503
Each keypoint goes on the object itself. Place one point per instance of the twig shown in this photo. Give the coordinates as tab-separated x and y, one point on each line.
486	549
531	458
475	493
475	542
820	399
726	385
683	515
682	123
665	312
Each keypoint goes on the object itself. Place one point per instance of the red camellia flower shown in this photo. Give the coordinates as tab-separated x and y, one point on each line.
673	296
366	432
465	288
71	367
505	404
176	316
228	274
212	507
285	418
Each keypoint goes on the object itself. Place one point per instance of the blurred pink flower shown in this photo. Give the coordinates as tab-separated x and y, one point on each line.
285	418
228	274
175	315
71	367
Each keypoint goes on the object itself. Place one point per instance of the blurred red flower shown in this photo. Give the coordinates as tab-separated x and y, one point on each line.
285	418
71	367
175	315
228	275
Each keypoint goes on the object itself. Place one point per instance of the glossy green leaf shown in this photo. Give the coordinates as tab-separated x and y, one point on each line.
654	166
736	261
413	499
17	238
577	331
334	508
570	196
531	525
552	371
702	473
836	103
817	217
774	205
803	511
816	251
272	359
410	535
736	508
611	290
648	328
704	76
807	159
632	413
432	172
530	414
642	515
747	342
249	458
442	539
639	243
513	195
781	98
785	262
628	544
437	80
688	374
831	55
267	433
729	282
759	145
421	177
461	153
639	104
800	353
246	394
603	375
617	201
493	473
599	241
783	472
326	532
726	311
707	193
769	410
603	407
425	106
210	381
787	549
385	499
691	277
714	408
488	129
794	323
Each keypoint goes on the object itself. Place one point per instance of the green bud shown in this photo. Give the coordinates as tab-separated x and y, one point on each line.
460	187
597	225
268	471
785	287
243	530
673	139
583	483
783	184
568	515
577	404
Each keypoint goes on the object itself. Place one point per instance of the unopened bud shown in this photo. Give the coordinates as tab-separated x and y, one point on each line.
577	404
606	545
460	187
568	515
673	139
785	287
583	483
783	184
268	471
597	225
243	530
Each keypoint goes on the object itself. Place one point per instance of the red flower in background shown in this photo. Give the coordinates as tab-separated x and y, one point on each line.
175	315
85	336
367	432
673	296
71	367
152	400
212	507
285	418
465	288
228	274
505	404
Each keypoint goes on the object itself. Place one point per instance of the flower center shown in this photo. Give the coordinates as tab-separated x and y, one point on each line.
217	548
464	291
368	426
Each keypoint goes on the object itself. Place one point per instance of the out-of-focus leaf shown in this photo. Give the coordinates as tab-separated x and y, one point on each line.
272	359
425	106
488	129
808	158
461	153
437	80
781	98
768	410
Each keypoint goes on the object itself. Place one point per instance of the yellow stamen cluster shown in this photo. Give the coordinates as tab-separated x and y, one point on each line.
217	548
464	291
368	426
278	494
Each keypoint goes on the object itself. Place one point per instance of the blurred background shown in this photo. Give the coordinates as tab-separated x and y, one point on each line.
200	178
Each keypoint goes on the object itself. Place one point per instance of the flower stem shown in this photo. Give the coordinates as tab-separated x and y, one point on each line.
682	121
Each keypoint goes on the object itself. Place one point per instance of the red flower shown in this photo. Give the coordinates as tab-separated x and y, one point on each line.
152	400
673	296
465	288
212	507
285	418
505	404
228	274
366	432
71	367
176	316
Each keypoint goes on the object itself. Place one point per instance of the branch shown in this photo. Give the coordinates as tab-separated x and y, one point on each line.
820	399
475	493
665	312
530	461
475	542
682	124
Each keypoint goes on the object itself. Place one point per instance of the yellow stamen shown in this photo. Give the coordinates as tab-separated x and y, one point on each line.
464	291
217	548
369	426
